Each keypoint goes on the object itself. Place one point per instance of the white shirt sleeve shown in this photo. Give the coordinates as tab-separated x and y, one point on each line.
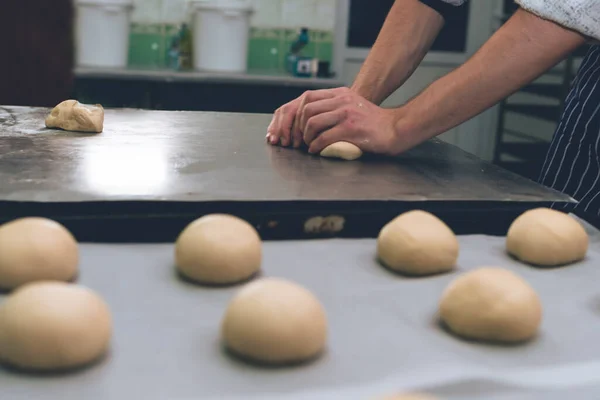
582	16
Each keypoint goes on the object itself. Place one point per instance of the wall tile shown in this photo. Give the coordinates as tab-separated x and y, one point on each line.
174	11
324	15
267	13
147	11
298	13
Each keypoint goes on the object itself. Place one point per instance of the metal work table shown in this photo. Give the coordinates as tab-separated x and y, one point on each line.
153	169
150	173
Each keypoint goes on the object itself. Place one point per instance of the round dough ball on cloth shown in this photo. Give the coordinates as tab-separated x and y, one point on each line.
491	304
273	321
53	326
218	249
417	243
36	249
547	237
344	150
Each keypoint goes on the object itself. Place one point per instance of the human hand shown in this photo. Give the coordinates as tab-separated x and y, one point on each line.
324	117
283	127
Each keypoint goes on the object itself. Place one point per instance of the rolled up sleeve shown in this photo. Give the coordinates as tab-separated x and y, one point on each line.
446	8
582	16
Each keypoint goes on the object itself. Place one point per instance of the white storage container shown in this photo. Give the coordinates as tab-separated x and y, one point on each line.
102	32
221	34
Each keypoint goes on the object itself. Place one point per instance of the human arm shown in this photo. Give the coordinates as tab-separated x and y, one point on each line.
407	34
521	50
405	38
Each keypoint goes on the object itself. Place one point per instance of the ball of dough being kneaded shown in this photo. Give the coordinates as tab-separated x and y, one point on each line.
53	326
491	304
36	249
417	243
273	321
547	237
344	150
218	249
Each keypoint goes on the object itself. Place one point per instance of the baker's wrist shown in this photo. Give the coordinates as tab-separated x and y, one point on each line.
406	131
366	91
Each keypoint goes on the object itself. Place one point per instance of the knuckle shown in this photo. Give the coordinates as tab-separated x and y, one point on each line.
347	98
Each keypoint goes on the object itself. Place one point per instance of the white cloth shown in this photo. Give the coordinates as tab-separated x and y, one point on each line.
582	16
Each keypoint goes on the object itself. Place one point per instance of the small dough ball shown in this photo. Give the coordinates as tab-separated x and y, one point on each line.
417	243
343	150
36	249
274	321
71	115
491	304
547	237
53	326
218	249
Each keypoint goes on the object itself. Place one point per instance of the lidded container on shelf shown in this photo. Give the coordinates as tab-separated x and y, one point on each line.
221	34
102	32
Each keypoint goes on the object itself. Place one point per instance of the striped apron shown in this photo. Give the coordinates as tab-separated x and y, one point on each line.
572	165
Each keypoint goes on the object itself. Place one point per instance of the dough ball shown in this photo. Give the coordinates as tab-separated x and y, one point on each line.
547	237
491	304
218	249
36	249
71	115
274	321
343	150
417	243
53	326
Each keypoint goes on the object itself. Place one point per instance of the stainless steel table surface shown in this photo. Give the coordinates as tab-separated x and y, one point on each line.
195	156
174	166
383	334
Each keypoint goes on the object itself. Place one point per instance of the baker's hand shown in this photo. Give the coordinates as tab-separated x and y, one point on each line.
281	129
328	116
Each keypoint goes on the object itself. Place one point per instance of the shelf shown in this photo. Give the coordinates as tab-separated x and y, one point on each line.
548	113
532	152
545	89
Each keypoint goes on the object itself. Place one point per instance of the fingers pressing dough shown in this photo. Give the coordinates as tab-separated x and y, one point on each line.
274	321
547	237
36	249
343	150
53	326
417	243
71	115
491	304
218	249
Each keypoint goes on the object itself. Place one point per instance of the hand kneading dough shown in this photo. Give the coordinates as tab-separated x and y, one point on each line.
274	321
417	243
547	237
53	326
218	249
71	115
343	150
491	304
36	249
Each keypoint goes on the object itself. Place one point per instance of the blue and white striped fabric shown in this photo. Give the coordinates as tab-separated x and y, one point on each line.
572	165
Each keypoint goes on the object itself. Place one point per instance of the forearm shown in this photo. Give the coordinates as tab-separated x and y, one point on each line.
524	48
407	34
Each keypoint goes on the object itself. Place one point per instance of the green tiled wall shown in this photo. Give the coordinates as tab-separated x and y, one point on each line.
149	46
